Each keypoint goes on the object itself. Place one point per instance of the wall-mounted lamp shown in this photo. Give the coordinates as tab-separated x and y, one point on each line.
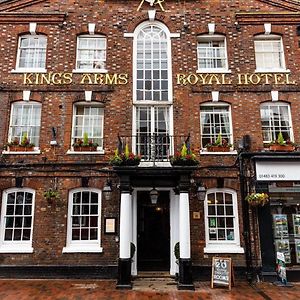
154	196
107	189
201	192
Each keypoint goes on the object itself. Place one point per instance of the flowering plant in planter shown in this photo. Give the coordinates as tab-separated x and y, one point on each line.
281	144
184	158
126	158
24	145
257	199
220	145
85	145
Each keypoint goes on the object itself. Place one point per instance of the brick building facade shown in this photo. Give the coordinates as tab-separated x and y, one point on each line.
80	79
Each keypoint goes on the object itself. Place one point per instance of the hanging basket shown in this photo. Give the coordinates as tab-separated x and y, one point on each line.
257	199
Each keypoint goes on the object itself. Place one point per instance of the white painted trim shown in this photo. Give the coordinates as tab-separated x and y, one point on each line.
268	28
83	249
221	246
151	14
205	152
26	95
214	71
6	152
215	96
91	27
274	95
272	71
85	71
28	70
88	95
32	28
211	28
90	246
128	34
86	152
16	246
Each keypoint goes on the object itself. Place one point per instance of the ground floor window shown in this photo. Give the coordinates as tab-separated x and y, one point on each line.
17	220
84	221
221	222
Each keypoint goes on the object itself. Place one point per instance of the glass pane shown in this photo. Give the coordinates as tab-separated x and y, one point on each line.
8	235
26	234
230	234
75	234
17	234
229	210
211	210
9	209
220	210
84	234
93	234
221	234
85	197
27	222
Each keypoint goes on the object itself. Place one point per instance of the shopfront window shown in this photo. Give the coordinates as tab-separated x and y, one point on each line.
285	210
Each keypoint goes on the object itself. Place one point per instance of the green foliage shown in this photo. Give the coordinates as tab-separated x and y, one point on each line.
85	139
125	159
218	141
257	199
126	151
280	139
184	150
184	157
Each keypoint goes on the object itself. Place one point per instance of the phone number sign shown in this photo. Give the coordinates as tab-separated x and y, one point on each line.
277	171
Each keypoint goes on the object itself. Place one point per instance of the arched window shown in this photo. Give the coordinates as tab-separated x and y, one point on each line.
152	86
222	222
84	221
276	118
17	214
212	53
269	54
215	119
91	53
32	52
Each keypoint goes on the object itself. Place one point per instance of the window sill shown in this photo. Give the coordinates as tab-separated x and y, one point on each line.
16	248
85	152
272	71
83	249
21	152
216	71
28	71
204	152
83	71
223	248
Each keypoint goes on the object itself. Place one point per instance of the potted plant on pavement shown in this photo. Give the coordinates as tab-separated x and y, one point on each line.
220	145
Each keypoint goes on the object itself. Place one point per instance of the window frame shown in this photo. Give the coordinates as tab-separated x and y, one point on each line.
212	38
273	132
216	104
100	149
16	246
83	246
91	70
33	69
223	246
270	38
166	31
10	137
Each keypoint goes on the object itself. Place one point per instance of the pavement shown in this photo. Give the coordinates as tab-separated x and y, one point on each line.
14	289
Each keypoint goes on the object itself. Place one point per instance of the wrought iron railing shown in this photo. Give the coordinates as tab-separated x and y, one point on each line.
153	147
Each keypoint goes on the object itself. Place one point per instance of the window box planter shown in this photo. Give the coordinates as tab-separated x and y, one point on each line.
283	148
84	148
218	149
19	148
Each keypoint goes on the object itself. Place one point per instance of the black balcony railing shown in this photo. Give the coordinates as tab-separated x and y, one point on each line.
154	147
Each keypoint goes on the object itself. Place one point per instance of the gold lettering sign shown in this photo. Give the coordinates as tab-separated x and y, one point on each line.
60	78
239	79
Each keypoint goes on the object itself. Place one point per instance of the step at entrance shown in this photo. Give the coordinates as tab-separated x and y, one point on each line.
154	281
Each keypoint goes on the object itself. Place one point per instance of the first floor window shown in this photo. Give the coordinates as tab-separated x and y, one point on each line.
84	221
88	124
269	53
276	118
215	119
17	220
221	220
211	50
153	140
32	52
91	52
25	121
